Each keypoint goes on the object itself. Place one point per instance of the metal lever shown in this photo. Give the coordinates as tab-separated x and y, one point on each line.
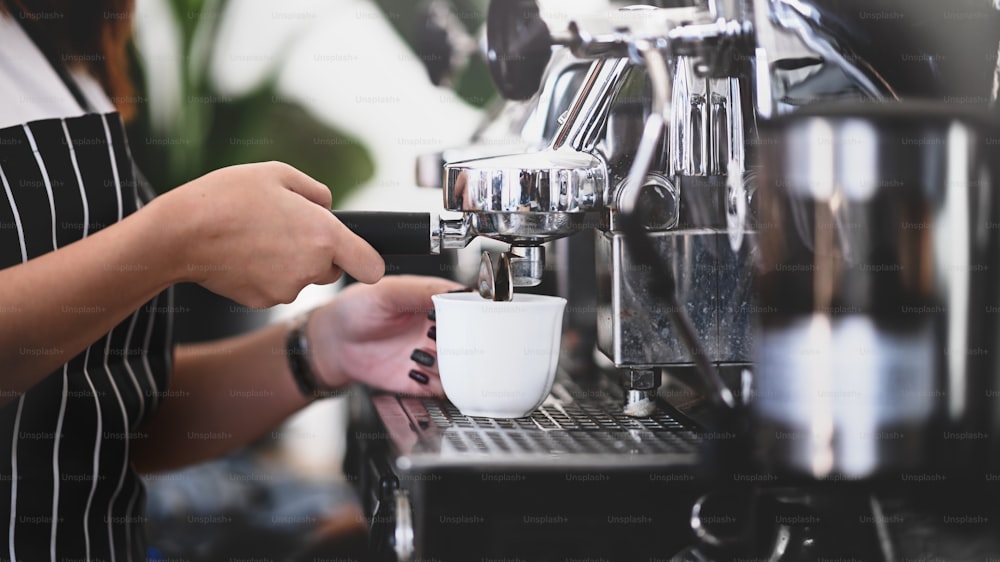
495	284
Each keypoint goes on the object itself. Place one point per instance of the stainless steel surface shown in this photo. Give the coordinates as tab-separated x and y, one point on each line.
657	205
642	379
639	403
451	234
503	286
840	396
496	281
579	425
527	265
804	20
684	30
588	112
640	392
558	181
525	198
403	530
530	229
611	33
691	134
487	277
790	69
713	282
873	281
643	166
995	90
728	9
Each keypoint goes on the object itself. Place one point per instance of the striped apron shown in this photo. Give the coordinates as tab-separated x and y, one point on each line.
67	487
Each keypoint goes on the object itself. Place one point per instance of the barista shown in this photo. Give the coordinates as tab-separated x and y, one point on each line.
93	390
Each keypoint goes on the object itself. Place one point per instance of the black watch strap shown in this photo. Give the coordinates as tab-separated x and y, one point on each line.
297	350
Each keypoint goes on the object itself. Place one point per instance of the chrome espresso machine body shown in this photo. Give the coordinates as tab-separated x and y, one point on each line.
653	161
588	110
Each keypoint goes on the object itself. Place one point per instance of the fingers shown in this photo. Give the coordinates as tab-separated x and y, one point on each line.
331	276
417	387
355	256
423	381
304	185
414	292
424	372
423	357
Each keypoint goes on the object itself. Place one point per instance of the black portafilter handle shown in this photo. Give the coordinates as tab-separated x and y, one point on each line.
518	47
391	233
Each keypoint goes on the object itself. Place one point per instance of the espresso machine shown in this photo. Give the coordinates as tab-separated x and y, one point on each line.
774	223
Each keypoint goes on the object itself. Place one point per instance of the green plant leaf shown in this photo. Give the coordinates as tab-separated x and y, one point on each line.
262	127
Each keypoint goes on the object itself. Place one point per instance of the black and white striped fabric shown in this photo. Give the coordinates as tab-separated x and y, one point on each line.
66	483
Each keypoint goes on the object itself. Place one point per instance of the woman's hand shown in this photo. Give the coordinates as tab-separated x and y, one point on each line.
259	233
370	333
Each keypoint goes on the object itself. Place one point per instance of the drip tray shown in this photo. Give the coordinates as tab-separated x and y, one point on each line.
576	427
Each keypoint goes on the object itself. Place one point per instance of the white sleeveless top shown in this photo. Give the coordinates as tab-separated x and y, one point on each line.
30	90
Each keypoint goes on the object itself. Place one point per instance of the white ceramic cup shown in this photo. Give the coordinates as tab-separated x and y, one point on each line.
498	359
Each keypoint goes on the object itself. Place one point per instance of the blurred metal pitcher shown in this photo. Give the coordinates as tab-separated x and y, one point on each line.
876	274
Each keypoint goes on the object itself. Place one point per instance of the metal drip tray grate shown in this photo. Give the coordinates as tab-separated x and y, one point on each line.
564	430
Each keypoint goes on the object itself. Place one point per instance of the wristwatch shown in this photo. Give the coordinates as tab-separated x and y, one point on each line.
298	352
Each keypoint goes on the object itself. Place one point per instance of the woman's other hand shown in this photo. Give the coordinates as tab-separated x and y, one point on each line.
259	233
380	335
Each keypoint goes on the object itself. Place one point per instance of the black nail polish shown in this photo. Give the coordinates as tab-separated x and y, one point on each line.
432	332
462	290
422	357
430	315
419	377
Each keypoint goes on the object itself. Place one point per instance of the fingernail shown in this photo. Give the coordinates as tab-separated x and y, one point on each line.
430	315
419	377
462	290
432	332
422	357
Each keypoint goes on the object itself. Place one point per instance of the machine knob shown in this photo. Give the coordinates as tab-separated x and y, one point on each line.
433	44
519	46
